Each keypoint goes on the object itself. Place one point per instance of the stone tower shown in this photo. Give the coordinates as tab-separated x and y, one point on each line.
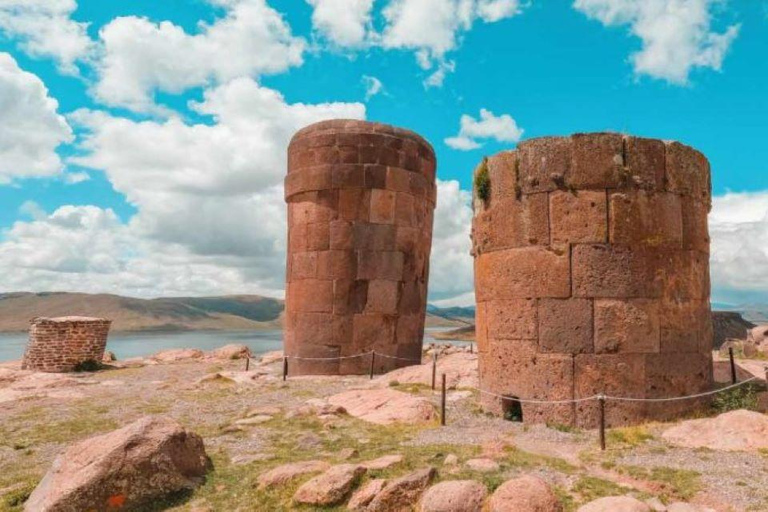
592	276
62	344
360	205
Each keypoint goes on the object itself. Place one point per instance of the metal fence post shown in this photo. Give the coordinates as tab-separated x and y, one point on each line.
434	369
442	404
601	399
373	362
285	367
733	365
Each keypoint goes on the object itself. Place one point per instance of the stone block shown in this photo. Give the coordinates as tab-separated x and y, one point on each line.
412	297
519	222
578	217
373	237
512	319
641	218
398	180
522	273
695	225
543	163
613	271
311	296
686	275
303	265
627	326
620	375
598	161
349	296
688	172
341	235
502	172
354	204
374	332
645	162
318	236
383	296
336	265
380	265
382	206
345	176
565	326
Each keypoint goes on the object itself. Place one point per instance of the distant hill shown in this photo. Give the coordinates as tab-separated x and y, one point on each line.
729	325
463	314
236	312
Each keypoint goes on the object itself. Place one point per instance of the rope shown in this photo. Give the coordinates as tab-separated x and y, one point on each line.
364	354
530	401
399	358
698	395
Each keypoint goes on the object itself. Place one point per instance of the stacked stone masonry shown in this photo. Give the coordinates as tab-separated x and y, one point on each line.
360	208
592	276
61	344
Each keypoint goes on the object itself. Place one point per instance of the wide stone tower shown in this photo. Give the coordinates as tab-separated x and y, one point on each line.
360	206
592	276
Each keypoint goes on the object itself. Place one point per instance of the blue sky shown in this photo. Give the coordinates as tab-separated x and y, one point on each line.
127	84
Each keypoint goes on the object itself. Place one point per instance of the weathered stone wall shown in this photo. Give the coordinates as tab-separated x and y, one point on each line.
592	276
60	344
360	206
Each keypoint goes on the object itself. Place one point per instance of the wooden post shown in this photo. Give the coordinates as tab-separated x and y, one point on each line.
247	363
601	398
766	376
471	348
373	362
733	365
434	369
442	404
285	368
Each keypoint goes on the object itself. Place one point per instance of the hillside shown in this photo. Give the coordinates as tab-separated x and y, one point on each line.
729	325
237	312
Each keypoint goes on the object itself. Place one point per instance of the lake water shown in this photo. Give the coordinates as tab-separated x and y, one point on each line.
126	345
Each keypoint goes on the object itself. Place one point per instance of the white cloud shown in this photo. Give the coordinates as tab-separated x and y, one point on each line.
451	267
677	35
45	28
208	194
343	22
73	178
30	127
738	226
373	86
432	28
500	128
140	57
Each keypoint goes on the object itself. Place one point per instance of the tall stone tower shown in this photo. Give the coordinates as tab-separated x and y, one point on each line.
592	276
360	206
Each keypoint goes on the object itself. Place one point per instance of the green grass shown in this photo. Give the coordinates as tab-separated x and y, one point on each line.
590	488
628	436
677	484
483	182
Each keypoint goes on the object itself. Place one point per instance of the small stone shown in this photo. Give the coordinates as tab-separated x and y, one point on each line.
383	462
281	475
451	460
254	420
331	487
482	465
348	453
454	496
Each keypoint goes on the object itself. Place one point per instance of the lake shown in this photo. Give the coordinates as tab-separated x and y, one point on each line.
126	345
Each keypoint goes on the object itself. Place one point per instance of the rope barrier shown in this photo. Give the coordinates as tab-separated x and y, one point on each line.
531	401
688	397
364	354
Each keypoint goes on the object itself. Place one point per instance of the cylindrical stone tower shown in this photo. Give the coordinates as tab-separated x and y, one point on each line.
592	276
360	205
61	344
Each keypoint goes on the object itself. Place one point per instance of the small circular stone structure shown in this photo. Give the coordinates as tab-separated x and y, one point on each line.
592	276
360	200
61	344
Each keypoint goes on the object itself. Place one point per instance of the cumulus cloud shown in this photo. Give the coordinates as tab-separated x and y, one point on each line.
373	86
738	226
343	22
30	127
677	35
140	57
44	28
432	28
451	267
501	128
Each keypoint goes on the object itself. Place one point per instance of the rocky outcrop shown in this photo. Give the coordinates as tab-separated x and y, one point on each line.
177	354
135	465
364	496
732	431
454	496
284	474
384	406
460	369
615	504
232	351
524	494
399	495
729	325
331	487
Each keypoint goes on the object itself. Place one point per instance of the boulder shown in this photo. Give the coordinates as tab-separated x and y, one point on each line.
615	504
454	496
108	357
361	498
331	487
284	474
524	494
732	431
402	494
135	465
482	465
460	369
385	406
232	351
383	462
177	354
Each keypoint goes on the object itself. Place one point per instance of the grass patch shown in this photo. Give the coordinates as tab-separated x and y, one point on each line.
590	488
677	484
628	436
483	182
743	397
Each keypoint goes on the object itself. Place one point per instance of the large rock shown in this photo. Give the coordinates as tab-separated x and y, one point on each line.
361	498
385	406
732	431
383	462
135	465
177	354
454	496
331	487
460	369
524	494
282	475
232	351
615	504
402	494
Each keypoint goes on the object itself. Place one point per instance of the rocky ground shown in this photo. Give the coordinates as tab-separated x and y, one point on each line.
372	434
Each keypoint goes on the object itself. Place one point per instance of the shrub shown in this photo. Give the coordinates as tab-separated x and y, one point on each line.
483	182
89	365
744	397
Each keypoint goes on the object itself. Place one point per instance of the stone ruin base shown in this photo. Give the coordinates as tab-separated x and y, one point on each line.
58	345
